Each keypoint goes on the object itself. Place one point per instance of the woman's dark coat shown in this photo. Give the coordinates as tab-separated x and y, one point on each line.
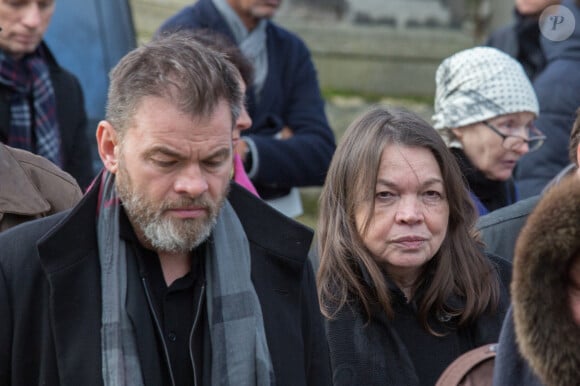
374	353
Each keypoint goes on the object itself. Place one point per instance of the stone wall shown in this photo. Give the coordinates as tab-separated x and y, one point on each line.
149	14
382	61
371	59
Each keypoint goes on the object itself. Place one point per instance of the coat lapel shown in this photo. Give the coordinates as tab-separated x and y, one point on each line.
69	257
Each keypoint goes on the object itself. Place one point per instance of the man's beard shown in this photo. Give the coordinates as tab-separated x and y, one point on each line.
165	233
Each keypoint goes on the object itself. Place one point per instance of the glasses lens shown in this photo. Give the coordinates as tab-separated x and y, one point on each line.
535	143
513	143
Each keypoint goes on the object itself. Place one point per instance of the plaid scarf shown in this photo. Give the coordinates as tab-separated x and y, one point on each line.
119	355
240	354
33	123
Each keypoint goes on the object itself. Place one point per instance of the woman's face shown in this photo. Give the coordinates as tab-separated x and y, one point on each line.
409	222
484	147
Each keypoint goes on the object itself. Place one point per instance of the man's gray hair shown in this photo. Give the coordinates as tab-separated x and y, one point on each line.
176	67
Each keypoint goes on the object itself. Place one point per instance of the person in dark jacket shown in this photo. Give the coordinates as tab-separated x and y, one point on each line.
484	109
290	143
43	107
540	341
557	90
521	38
403	282
32	187
219	42
499	229
159	276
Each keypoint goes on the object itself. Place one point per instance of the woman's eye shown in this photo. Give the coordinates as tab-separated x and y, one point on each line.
432	195
509	126
384	195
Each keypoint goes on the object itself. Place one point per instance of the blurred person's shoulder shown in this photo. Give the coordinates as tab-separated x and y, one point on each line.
35	165
500	228
32	187
508	214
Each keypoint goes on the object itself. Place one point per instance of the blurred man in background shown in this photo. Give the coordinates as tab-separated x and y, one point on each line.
42	109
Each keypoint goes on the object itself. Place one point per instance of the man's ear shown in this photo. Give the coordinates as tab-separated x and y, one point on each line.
107	142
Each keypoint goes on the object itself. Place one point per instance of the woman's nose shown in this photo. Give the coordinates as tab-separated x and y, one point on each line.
522	148
409	211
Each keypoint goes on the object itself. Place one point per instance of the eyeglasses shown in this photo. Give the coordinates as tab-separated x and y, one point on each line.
534	141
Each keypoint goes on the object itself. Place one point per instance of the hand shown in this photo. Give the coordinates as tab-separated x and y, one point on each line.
285	133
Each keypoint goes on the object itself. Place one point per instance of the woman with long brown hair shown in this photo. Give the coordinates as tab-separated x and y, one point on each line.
403	282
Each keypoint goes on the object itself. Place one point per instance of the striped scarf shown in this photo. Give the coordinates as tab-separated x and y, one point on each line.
33	123
240	354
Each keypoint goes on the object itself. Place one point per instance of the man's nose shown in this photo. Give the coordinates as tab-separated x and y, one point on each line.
32	15
191	181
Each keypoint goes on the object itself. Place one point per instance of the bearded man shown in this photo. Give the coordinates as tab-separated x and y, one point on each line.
166	273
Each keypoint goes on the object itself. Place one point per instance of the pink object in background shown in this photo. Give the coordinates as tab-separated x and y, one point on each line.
241	177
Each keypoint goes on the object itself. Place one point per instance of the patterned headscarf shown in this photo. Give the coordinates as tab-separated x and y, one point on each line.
478	84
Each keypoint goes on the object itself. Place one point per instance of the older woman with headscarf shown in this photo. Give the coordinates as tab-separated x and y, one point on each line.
403	283
484	109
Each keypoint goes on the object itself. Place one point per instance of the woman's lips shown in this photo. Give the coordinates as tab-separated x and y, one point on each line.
410	242
509	163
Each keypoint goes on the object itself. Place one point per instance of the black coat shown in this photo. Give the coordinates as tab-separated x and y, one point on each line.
51	308
388	352
72	121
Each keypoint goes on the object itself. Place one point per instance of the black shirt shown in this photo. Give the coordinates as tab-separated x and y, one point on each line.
175	306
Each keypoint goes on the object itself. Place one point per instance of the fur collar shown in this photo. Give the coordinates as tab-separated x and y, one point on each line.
546	333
